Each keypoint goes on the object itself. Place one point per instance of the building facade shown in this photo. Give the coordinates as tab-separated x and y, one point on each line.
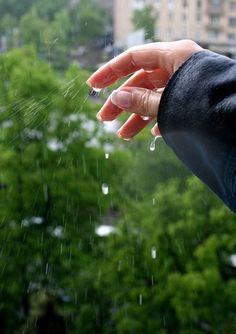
212	23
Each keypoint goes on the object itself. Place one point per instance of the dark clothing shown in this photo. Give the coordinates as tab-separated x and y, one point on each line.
197	119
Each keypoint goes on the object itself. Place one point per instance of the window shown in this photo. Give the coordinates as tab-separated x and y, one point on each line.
199	4
233	5
213	35
215	19
170	32
184	17
198	17
231	36
197	36
170	15
170	4
139	4
215	2
232	21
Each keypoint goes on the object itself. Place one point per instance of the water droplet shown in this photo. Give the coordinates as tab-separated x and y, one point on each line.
97	90
105	189
107	155
140	299
145	118
154	252
153	144
153	201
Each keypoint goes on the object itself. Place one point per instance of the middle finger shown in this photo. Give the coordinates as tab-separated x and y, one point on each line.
143	79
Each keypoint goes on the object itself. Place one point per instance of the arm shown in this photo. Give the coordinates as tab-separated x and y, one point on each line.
197	119
192	92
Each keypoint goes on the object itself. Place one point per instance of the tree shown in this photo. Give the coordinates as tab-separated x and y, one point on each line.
89	23
14	7
51	180
49	38
144	18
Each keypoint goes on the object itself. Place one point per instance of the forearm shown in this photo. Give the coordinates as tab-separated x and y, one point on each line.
197	119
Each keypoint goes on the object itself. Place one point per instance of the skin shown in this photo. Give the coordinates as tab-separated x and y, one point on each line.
151	66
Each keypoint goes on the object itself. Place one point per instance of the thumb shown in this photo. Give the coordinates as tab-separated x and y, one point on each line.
137	100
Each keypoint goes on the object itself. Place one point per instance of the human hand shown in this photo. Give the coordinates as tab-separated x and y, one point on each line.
152	65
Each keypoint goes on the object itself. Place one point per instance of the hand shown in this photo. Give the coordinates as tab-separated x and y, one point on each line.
152	65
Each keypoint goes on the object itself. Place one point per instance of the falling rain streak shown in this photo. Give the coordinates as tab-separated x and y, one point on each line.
140	299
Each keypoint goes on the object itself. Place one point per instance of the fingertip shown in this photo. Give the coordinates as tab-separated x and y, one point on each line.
121	136
155	131
99	117
88	82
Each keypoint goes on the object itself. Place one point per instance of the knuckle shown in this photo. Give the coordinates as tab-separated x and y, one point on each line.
145	101
189	44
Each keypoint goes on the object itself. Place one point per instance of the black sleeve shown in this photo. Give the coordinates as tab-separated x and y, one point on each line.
197	119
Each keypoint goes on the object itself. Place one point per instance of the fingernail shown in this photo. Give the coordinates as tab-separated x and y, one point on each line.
88	83
121	98
120	136
99	117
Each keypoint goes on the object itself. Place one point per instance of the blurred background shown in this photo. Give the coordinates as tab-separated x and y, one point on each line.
98	235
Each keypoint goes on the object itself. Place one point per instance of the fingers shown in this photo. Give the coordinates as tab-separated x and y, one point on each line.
132	127
165	56
144	102
149	80
127	63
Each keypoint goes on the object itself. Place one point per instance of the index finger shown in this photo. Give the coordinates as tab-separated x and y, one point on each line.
148	57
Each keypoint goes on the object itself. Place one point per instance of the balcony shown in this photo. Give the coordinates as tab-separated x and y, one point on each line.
214	26
214	9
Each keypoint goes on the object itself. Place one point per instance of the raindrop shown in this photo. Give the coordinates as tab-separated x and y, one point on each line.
153	144
107	155
153	201
140	299
154	252
105	189
145	118
97	90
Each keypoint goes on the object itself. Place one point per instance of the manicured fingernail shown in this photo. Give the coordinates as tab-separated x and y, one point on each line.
120	136
99	117
121	98
88	83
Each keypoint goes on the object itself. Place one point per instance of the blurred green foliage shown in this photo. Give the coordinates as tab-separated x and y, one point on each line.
51	202
145	19
54	28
